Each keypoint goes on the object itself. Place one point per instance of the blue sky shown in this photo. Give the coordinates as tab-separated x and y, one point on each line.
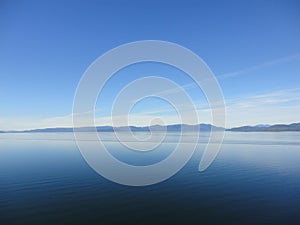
252	47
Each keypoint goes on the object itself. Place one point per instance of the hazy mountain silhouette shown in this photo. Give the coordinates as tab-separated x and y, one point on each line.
170	128
273	128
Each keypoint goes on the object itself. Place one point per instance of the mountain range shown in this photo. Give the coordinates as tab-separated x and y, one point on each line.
270	128
171	128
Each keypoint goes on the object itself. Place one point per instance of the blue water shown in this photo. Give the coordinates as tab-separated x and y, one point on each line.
254	180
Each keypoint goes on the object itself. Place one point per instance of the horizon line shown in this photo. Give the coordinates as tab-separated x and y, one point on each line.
225	128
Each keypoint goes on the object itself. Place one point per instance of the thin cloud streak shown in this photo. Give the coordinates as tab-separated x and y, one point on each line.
284	106
260	66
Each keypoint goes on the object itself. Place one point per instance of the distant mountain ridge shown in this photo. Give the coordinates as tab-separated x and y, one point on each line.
270	128
171	128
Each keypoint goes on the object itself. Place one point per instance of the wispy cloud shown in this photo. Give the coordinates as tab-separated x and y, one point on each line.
260	66
281	106
278	97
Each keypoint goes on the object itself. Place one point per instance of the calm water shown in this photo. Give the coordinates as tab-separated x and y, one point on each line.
254	180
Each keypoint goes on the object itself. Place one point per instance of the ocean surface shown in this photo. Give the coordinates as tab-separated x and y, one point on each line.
255	179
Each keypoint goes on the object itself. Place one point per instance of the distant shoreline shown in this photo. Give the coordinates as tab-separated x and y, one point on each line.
168	128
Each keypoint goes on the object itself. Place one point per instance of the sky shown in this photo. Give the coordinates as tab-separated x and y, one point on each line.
252	47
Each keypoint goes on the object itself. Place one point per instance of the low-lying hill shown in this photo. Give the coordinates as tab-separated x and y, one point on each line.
169	128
